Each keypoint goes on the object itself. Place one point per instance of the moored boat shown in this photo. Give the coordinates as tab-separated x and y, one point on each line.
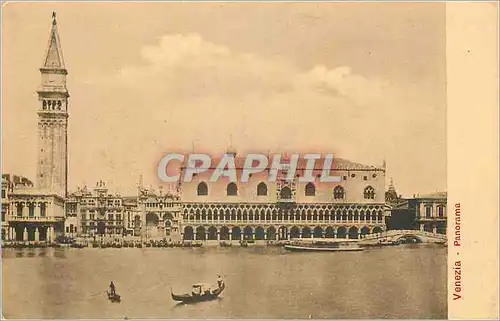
200	292
323	246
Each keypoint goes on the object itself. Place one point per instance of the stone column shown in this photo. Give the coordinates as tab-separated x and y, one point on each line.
335	234
194	236
230	235
288	235
37	234
434	229
50	232
277	236
421	227
359	236
218	236
312	234
25	234
13	233
241	237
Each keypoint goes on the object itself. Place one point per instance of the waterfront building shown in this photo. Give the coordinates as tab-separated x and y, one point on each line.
98	213
156	214
425	212
95	213
31	214
285	209
9	183
430	211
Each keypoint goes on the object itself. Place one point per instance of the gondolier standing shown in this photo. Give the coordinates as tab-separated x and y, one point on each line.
219	281
112	289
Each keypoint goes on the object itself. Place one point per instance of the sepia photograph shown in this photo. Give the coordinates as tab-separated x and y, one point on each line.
225	160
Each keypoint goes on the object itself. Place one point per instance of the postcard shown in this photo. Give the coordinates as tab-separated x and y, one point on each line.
249	160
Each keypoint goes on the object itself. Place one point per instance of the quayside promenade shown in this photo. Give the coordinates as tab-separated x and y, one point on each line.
392	237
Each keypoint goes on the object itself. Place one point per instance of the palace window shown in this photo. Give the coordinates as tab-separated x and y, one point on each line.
310	189
440	211
338	192
202	189
232	189
286	193
262	189
365	178
43	209
369	193
31	210
428	212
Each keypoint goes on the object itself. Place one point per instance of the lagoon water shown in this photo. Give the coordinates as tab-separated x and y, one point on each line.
407	281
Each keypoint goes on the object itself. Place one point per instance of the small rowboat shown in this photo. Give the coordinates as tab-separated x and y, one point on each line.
201	292
113	297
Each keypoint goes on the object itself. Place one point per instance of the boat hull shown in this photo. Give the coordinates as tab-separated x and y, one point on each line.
190	298
302	248
114	298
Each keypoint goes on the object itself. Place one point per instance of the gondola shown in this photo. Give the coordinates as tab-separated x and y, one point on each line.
201	292
113	297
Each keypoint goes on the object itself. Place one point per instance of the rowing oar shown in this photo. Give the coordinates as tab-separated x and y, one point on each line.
101	292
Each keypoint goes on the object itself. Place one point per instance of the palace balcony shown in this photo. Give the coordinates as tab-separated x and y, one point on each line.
36	219
431	219
281	222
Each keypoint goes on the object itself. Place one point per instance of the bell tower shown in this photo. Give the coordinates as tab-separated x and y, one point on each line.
52	168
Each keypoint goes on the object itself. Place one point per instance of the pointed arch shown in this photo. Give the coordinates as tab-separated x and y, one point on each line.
286	193
232	189
338	192
369	193
262	189
202	189
310	189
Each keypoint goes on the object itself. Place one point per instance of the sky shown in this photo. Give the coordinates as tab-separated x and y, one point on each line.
364	81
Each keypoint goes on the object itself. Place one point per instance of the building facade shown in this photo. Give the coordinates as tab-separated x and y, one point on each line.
430	212
156	214
427	212
285	209
95	213
98	213
31	214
